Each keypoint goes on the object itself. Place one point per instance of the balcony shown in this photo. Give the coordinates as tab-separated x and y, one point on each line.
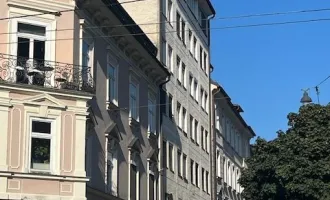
46	74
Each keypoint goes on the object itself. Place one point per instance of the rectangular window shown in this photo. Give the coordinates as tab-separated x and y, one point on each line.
203	179
196	175
151	186
195	48
134	106
192	172
183	74
31	49
206	141
191	84
170	106
170	58
112	173
202	137
179	163
192	135
164	154
178	111
134	183
206	67
202	98
164	53
170	11
201	57
196	90
170	157
179	74
152	113
184	119
207	182
184	166
183	31
206	102
196	132
178	25
191	47
41	145
112	84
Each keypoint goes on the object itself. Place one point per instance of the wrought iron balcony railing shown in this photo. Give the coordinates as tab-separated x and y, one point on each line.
45	74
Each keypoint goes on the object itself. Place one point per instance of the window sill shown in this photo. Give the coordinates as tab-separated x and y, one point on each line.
152	135
133	122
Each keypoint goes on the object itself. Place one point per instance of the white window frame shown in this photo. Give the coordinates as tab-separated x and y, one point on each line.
135	83
112	64
151	113
169	60
179	114
52	139
169	11
112	159
150	172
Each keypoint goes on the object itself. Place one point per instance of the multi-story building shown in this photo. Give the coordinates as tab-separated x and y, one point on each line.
122	139
180	29
44	90
231	144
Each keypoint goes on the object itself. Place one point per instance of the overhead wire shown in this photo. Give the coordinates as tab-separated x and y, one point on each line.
193	30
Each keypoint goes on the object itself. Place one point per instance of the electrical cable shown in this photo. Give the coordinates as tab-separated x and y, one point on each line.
214	28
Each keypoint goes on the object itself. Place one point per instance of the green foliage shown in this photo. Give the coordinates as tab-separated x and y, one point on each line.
294	166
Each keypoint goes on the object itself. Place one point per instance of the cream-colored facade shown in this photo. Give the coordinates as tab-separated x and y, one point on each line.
43	102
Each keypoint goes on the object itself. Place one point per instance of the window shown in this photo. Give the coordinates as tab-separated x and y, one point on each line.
178	25
196	132
112	169
191	47
134	179
152	113
170	157
184	166
192	172
134	105
179	117
31	51
164	154
206	67
196	174
218	164
207	181
41	145
202	98
195	48
170	11
183	75
179	163
206	141
87	50
152	181
201	57
112	84
206	102
178	64
196	90
191	83
164	59
224	170
170	106
170	58
184	119
183	31
204	23
202	137
191	122
203	179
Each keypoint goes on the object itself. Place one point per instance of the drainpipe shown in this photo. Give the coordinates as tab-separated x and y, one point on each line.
161	177
213	145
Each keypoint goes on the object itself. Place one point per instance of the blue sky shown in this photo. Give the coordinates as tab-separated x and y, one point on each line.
264	68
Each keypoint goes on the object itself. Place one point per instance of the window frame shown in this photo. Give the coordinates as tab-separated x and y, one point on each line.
152	108
51	137
134	81
115	66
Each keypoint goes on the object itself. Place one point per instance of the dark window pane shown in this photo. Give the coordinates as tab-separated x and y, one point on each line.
164	155
40	154
31	29
133	182
39	51
151	187
41	127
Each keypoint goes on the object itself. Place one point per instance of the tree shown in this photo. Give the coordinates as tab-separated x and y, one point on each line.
295	165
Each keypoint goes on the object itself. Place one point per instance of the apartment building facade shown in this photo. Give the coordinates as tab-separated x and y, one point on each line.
180	31
122	140
44	90
231	144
